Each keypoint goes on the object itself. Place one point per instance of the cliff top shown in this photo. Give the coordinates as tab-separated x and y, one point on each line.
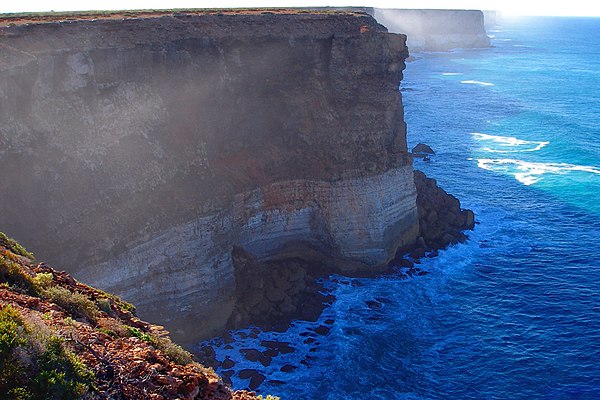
58	336
71	16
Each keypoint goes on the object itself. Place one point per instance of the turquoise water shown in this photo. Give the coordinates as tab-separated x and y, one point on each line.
514	313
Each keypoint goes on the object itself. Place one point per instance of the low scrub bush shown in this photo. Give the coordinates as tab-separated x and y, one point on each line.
122	305
61	374
112	327
36	364
175	352
42	280
13	275
15	247
77	304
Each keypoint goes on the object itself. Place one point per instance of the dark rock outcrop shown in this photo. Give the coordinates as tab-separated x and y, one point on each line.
422	149
272	294
441	219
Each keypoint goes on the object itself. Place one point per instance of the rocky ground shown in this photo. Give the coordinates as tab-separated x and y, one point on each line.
61	339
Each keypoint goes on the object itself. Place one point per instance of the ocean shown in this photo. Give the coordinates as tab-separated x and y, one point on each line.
513	313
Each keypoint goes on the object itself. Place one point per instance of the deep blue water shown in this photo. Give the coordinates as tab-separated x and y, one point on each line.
514	313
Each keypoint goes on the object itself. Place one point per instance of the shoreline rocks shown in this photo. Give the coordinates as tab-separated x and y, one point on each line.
264	288
441	218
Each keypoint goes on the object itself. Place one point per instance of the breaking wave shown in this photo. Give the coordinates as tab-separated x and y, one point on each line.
472	82
508	144
529	173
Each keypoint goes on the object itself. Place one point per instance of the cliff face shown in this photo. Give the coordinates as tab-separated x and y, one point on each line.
147	148
436	30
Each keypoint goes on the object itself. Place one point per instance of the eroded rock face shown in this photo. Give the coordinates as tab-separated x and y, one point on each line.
441	218
436	30
138	152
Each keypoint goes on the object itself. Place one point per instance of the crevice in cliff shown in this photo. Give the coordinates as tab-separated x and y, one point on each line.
272	294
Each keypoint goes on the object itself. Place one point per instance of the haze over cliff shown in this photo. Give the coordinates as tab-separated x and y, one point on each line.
436	30
140	151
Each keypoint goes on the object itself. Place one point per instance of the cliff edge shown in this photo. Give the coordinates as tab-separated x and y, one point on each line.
141	150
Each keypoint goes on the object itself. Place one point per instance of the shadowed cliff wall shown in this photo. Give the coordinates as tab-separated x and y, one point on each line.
436	30
136	153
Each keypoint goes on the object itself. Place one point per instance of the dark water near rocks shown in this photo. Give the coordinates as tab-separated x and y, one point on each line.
515	312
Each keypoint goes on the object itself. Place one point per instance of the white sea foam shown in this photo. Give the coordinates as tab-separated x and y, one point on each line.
451	73
472	82
529	173
508	144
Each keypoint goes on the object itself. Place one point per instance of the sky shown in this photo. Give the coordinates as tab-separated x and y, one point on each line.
507	7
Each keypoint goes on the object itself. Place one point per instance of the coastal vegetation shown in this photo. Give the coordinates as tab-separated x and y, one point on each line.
61	339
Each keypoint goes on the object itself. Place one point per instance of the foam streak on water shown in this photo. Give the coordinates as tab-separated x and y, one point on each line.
529	173
507	144
514	313
473	82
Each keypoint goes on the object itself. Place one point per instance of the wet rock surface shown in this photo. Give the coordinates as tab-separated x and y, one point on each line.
422	149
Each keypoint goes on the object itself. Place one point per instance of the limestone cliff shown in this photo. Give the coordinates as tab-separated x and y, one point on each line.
436	30
137	152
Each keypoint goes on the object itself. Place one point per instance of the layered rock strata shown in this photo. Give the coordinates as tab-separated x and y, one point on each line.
137	152
436	30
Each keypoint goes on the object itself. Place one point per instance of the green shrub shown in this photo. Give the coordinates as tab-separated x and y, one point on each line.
15	247
10	335
175	352
34	364
104	305
75	303
42	280
12	274
135	332
122	305
61	374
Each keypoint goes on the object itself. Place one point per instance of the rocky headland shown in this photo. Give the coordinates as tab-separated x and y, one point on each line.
436	30
208	166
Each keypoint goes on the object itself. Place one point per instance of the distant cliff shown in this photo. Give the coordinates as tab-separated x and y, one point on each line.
436	30
138	152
